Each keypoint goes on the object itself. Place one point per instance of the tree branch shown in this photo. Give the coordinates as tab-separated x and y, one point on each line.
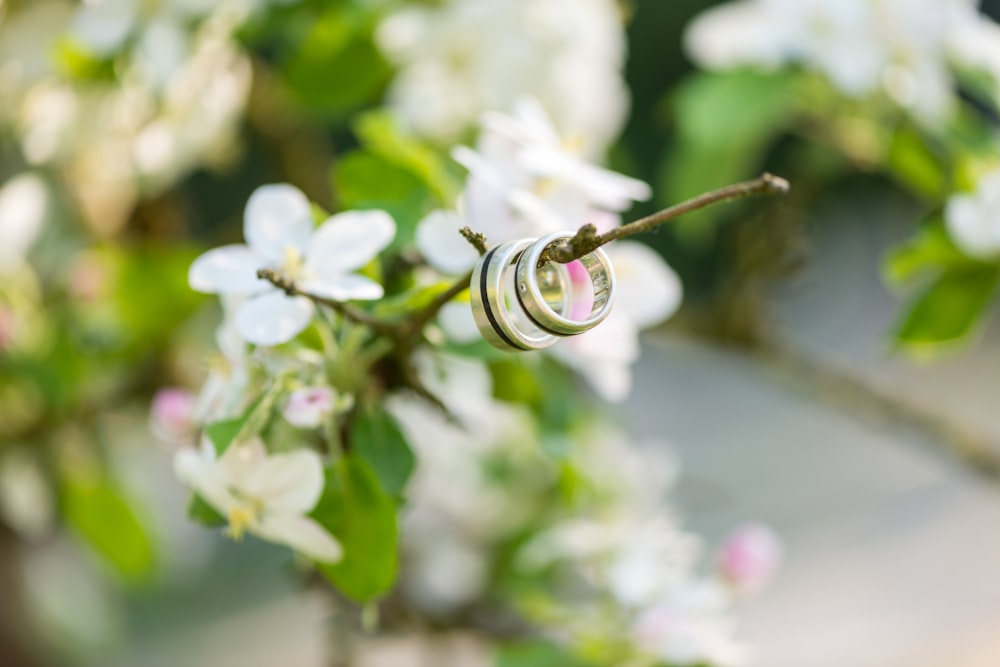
587	239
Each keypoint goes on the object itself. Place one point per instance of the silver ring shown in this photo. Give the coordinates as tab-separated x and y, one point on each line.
489	306
529	292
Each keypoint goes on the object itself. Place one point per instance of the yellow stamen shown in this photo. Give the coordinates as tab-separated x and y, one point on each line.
293	263
240	518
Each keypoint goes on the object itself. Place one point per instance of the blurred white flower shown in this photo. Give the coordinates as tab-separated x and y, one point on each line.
469	56
691	626
457	509
268	495
973	219
280	235
172	414
223	394
159	31
647	292
24	206
442	246
309	406
627	477
749	558
636	560
26	502
902	47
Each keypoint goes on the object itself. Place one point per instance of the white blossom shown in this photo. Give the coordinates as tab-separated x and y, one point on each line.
280	235
26	501
526	181
267	495
158	30
973	219
691	626
469	56
636	560
647	292
902	47
24	206
457	510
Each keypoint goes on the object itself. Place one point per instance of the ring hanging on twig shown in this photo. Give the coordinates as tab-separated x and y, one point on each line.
530	293
510	328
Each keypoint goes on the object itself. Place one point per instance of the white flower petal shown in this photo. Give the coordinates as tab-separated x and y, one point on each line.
733	34
350	287
162	48
287	483
604	356
302	534
231	269
349	240
24	205
458	323
273	318
240	461
102	28
199	471
969	227
648	290
277	217
442	246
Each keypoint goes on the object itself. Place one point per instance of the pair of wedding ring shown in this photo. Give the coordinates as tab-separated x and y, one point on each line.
519	306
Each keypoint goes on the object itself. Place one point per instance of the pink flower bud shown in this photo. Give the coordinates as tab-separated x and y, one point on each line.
308	407
172	414
749	558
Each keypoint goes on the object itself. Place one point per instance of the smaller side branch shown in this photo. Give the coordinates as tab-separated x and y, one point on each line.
345	309
424	317
476	239
587	239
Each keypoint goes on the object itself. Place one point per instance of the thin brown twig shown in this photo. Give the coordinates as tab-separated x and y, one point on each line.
422	318
587	239
345	309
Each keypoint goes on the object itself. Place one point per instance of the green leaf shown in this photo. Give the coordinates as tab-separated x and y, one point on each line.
725	123
103	517
379	135
338	68
222	434
356	510
378	441
201	512
536	653
364	180
949	309
915	165
745	107
930	249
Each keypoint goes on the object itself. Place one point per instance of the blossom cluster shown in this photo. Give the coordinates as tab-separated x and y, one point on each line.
907	49
297	361
466	57
181	84
332	418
